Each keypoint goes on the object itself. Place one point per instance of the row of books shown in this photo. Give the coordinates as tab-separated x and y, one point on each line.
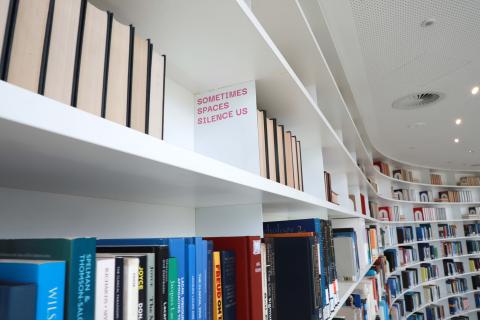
330	195
404	194
476	282
429	214
474	264
77	54
457	285
280	153
431	293
473	246
455	196
384	213
471	229
436	179
301	275
452	267
412	300
403	174
469	181
452	248
447	230
458	304
383	167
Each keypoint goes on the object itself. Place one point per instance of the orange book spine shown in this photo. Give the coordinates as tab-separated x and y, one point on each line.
217	287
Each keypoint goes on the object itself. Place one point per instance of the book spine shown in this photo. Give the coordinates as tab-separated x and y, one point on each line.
227	261
149	84
209	279
8	38
204	278
106	65
191	282
130	290
105	289
162	287
81	280
271	282
78	53
51	291
118	302
46	47
150	278
217	287
142	288
172	289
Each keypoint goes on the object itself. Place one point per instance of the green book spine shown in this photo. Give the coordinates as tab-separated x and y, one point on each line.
79	255
172	289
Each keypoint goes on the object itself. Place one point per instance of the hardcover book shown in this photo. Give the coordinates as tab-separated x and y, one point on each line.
18	300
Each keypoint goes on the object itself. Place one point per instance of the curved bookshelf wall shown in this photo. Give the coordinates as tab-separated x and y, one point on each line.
89	181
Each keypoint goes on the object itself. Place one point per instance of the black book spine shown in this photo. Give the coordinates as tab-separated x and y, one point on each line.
8	39
46	48
271	282
149	83
78	53
163	98
317	289
142	288
161	289
118	306
229	296
130	74
106	65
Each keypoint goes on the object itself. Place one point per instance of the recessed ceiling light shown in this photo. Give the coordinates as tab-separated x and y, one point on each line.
456	140
475	90
470	151
458	121
427	23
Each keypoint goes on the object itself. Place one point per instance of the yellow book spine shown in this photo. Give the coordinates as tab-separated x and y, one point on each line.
217	287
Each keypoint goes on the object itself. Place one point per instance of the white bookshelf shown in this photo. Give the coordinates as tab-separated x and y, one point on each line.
68	173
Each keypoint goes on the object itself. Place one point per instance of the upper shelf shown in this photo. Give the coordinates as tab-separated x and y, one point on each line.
50	147
381	175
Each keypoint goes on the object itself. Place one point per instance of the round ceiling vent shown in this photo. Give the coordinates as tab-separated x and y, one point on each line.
416	100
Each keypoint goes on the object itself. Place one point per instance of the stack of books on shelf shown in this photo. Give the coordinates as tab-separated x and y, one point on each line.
473	246
408	254
427	251
307	288
388	236
476	282
330	195
280	153
409	278
458	304
436	179
412	300
428	271
474	264
429	214
404	194
447	230
435	312
451	267
425	196
456	285
469	181
385	213
452	248
431	293
471	229
424	232
476	296
455	196
473	213
405	234
403	174
382	167
74	53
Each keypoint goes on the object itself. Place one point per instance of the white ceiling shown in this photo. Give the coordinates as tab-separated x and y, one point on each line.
386	54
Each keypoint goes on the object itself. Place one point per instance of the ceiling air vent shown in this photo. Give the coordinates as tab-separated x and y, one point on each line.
416	100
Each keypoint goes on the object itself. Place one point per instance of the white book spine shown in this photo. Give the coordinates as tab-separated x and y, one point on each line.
130	289
105	287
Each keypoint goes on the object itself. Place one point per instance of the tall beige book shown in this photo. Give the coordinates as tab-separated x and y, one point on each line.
295	163
90	82
156	102
117	86
138	111
262	145
4	5
272	149
62	51
281	154
299	165
27	46
289	160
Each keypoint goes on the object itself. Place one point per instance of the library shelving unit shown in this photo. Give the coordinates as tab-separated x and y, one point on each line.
68	173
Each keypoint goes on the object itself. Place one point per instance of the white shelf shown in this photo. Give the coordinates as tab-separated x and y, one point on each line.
429	185
388	199
432	221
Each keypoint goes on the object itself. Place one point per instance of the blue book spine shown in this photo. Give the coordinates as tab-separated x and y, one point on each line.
198	278
176	247
191	282
209	279
204	279
49	276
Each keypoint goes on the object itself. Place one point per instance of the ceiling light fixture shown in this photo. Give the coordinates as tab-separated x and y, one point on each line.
456	140
470	151
458	121
475	90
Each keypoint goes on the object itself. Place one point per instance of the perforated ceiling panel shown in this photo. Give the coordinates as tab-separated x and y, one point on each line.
402	57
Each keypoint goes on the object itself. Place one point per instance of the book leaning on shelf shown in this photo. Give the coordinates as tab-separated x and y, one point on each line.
280	153
82	56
